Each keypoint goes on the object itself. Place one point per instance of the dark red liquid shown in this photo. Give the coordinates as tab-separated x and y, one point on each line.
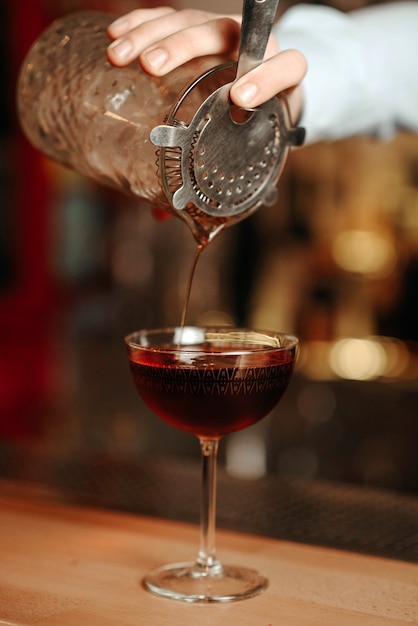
212	399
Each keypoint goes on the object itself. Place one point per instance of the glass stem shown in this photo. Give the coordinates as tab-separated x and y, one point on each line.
207	552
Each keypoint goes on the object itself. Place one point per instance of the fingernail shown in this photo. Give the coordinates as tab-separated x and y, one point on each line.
246	92
156	57
121	47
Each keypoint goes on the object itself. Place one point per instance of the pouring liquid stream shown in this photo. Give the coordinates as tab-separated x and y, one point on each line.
196	257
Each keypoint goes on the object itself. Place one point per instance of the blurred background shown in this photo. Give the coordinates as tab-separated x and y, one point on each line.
335	261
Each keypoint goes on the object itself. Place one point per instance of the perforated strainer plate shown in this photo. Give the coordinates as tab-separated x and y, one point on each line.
226	166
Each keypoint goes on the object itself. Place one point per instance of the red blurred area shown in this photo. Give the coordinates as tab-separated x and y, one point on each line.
26	302
28	298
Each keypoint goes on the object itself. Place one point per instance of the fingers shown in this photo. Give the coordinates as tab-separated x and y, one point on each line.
218	36
281	72
135	18
163	38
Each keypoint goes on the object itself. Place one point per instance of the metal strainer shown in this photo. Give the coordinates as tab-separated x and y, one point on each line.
226	161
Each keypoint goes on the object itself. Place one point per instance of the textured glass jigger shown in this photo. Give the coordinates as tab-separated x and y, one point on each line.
210	382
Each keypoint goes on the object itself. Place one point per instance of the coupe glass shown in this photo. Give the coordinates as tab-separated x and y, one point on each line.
210	382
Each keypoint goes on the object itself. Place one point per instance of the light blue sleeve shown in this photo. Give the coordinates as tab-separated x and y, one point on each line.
362	68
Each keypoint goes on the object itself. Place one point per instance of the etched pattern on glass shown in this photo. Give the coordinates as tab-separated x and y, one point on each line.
212	381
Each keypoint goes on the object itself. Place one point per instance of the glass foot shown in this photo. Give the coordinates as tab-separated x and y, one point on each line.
190	583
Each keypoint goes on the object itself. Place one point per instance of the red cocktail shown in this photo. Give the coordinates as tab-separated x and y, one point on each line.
210	382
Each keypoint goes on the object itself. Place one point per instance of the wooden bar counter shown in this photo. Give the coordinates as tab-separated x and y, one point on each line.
65	565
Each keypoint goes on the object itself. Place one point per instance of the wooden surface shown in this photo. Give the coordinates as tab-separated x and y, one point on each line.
62	565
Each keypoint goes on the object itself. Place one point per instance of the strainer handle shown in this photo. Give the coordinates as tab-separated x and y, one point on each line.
257	21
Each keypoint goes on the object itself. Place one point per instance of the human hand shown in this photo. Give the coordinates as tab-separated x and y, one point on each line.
164	38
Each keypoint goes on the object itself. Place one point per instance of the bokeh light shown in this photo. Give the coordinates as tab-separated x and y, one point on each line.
358	359
364	252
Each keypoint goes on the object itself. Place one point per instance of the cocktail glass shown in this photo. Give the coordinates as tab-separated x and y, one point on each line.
210	382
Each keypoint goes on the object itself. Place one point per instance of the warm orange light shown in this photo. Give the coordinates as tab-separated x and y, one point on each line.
364	252
358	359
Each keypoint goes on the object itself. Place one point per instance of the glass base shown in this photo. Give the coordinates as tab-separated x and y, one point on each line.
188	582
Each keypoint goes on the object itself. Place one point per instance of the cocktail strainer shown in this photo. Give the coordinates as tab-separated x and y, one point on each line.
226	161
